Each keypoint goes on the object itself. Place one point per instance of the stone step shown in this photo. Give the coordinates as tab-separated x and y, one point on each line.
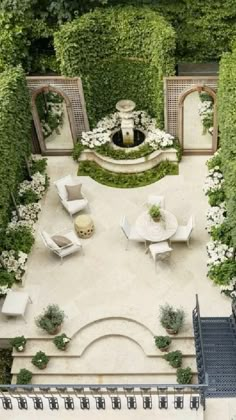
154	378
64	365
74	350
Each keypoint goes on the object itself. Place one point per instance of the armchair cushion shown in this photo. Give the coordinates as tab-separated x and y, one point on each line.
74	192
61	241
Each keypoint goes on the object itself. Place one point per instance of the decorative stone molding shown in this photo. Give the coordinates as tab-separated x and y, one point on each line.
130	165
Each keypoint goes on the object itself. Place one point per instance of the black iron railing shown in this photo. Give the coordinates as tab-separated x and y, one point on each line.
201	365
100	397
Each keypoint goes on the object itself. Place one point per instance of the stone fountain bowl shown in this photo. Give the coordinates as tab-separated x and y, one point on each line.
125	105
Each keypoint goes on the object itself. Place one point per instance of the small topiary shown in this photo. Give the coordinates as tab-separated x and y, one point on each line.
171	319
18	343
40	360
174	358
162	342
24	377
61	341
51	319
184	375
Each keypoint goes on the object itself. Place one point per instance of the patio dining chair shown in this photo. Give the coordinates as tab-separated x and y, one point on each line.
183	233
73	206
160	251
68	237
130	232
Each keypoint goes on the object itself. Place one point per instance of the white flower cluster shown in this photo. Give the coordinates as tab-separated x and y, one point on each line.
215	216
28	212
158	139
230	289
37	184
218	252
17	224
15	262
4	290
20	348
214	180
205	108
66	340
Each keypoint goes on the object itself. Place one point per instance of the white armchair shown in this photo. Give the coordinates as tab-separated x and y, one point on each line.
71	206
183	233
62	251
130	232
160	251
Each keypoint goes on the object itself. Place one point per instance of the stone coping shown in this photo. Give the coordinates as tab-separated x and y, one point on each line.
130	165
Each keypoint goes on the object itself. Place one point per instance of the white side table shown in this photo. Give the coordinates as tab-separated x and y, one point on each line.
15	303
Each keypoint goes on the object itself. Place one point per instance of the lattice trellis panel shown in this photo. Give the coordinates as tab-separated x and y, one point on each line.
72	87
174	87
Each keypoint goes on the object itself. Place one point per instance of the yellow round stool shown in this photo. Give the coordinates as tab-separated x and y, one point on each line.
84	226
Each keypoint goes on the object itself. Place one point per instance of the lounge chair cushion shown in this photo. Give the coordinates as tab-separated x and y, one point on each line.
74	192
61	241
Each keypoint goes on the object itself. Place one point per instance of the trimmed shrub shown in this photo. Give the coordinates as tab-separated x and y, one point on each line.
184	375
15	135
119	52
24	377
174	358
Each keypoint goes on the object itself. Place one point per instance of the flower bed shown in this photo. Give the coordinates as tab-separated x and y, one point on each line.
221	254
19	231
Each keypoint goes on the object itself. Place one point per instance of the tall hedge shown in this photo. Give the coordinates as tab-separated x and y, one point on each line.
119	53
15	134
227	126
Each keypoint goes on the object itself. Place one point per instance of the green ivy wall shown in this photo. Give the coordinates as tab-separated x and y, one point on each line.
15	135
227	126
119	53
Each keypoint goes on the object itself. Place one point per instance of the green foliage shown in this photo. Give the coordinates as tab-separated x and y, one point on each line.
6	361
215	161
174	358
120	52
61	341
40	360
18	343
15	135
24	377
170	318
19	239
222	273
155	212
50	319
184	375
6	278
38	165
108	150
222	233
78	149
162	341
123	180
227	125
216	197
29	196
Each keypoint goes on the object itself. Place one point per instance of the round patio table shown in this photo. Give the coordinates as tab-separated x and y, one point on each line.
156	231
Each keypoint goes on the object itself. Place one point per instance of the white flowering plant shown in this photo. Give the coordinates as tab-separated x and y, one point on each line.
215	216
205	111
6	281
37	185
218	252
158	139
61	341
18	343
214	181
28	212
14	262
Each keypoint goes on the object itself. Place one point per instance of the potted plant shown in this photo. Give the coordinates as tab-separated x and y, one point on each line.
162	342
171	319
24	377
18	343
40	360
174	358
51	319
184	375
61	341
155	213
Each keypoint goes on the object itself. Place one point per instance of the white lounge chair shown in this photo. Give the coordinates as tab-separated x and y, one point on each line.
130	232
157	200
71	206
160	251
183	233
62	251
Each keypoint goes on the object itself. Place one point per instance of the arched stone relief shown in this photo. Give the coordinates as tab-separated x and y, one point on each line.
193	136
53	119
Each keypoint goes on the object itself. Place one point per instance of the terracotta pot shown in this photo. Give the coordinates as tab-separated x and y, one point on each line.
171	331
164	348
56	330
43	367
156	219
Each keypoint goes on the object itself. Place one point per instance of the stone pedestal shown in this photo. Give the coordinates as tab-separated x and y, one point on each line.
84	226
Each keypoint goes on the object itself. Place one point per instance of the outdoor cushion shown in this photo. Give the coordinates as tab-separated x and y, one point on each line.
50	241
61	241
74	192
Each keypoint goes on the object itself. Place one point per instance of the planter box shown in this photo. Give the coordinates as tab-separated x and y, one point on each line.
130	165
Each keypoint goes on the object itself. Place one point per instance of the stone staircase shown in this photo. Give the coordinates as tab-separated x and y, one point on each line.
109	351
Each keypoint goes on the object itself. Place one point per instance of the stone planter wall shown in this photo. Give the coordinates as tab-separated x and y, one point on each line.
131	165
